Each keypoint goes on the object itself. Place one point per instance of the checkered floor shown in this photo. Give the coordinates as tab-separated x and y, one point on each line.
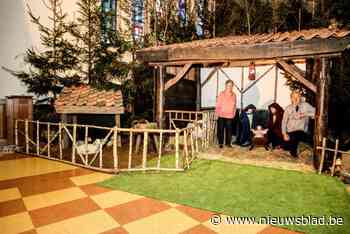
43	196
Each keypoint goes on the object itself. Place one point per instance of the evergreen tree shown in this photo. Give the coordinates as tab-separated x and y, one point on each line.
100	47
54	66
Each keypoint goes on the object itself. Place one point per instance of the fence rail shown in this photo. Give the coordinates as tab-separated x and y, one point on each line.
71	143
205	120
335	152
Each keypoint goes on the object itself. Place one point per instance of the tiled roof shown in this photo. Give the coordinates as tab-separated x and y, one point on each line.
85	99
309	34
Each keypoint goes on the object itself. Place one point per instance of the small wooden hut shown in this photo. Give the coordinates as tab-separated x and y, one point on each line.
319	48
84	99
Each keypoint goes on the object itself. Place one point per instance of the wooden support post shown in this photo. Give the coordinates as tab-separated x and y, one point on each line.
160	149
130	149
60	139
177	135
160	97
324	145
48	140
199	88
242	87
322	100
335	156
37	138
145	147
74	142
117	124
16	133
115	150
27	136
276	85
155	85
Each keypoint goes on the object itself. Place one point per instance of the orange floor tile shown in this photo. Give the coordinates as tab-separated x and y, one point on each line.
38	196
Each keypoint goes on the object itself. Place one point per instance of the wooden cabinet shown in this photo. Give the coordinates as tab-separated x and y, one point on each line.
17	107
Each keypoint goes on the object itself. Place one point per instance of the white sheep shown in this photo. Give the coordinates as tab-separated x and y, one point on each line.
93	148
198	131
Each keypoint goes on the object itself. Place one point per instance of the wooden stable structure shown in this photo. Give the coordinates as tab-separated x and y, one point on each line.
84	99
318	47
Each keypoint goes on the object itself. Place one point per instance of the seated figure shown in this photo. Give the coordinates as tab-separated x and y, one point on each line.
259	138
247	122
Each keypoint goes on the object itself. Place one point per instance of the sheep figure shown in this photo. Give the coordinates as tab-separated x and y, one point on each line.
198	131
93	148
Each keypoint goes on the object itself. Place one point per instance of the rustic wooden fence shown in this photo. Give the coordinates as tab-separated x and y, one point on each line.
335	152
62	141
205	120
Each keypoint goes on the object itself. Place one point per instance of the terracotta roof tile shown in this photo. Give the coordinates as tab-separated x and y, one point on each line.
88	98
309	34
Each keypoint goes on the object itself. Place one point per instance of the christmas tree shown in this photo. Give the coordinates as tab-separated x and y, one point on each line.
100	46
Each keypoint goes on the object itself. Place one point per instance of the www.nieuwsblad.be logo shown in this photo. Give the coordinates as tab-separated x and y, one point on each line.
275	220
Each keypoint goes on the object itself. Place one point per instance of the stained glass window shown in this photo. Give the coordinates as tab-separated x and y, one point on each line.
138	19
182	11
109	19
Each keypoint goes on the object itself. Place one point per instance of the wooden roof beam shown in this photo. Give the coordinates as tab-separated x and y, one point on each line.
178	77
272	50
298	74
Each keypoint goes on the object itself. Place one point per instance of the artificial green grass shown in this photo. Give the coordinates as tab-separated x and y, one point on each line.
242	190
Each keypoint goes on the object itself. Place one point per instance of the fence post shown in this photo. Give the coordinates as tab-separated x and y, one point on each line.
37	138
322	155
186	147
192	144
170	118
160	149
74	142
145	146
177	135
60	138
115	148
86	144
27	137
335	156
48	140
206	130
100	155
16	133
196	140
130	148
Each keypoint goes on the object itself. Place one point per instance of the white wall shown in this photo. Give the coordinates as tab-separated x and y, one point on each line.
261	94
14	39
17	34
